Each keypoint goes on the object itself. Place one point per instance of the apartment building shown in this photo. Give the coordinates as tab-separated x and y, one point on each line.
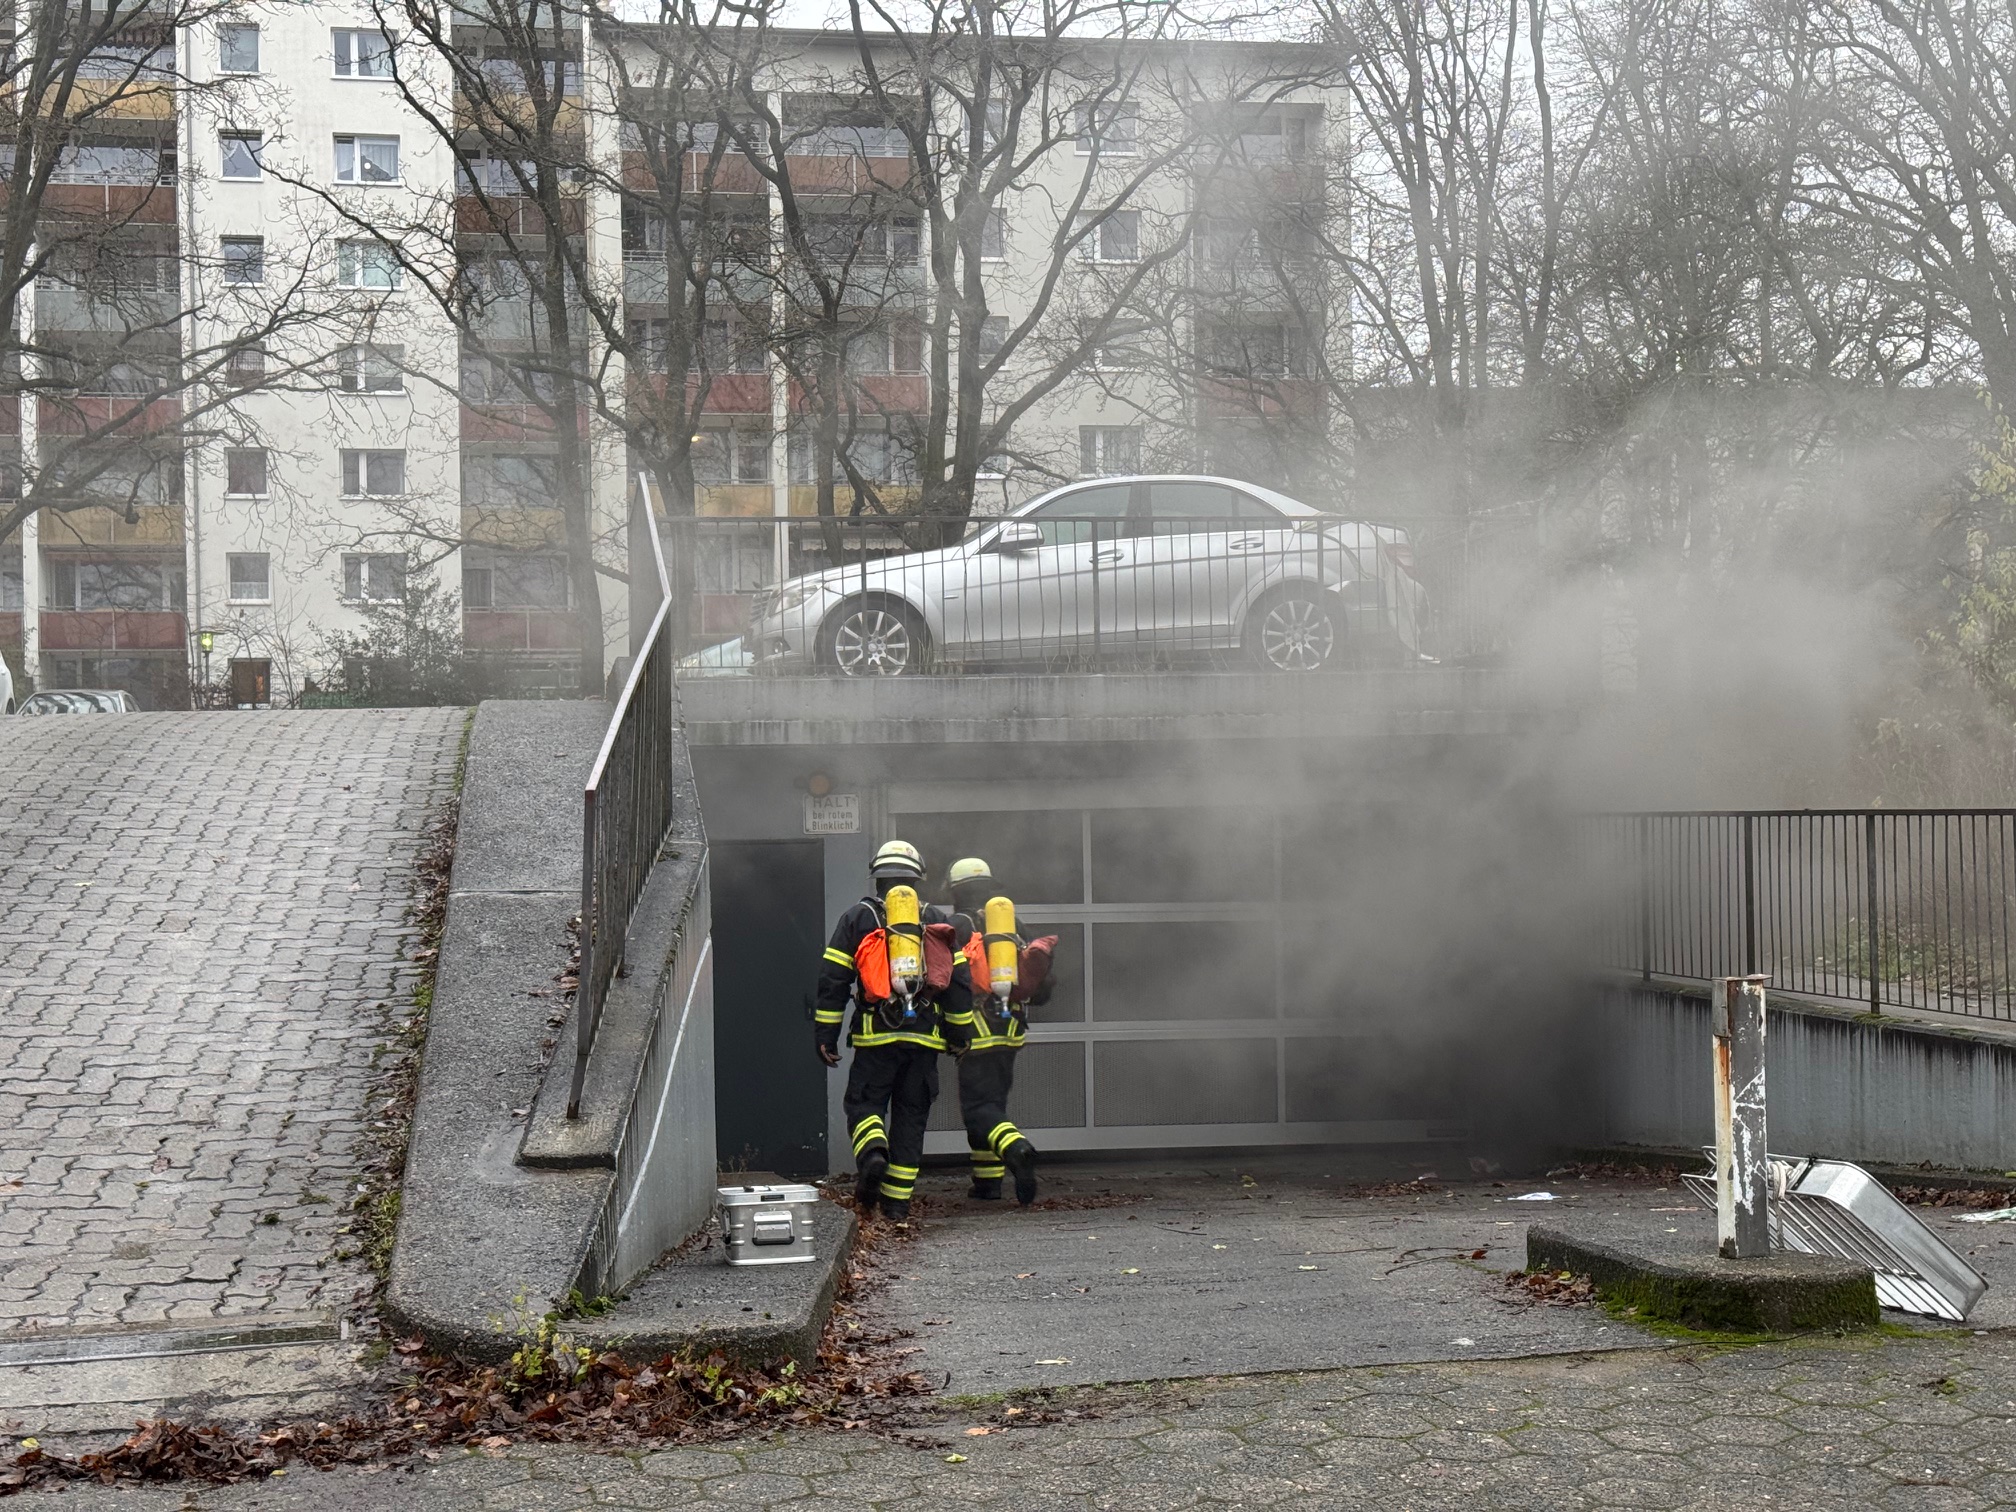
296	211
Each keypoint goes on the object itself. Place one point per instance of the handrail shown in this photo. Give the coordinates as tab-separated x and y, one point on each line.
626	810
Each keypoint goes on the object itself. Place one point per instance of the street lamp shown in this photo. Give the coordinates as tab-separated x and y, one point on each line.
205	639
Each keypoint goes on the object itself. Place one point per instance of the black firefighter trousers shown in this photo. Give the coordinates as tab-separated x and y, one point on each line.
985	1078
889	1093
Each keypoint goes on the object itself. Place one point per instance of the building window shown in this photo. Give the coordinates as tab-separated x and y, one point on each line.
245	471
367	160
238	49
731	456
372	369
251	574
897	346
1105	450
109	165
1107	127
367	265
244	259
374	578
373	474
501	481
363	54
1256	351
134	585
993	336
246	365
1116	239
240	150
500	580
994	235
13	585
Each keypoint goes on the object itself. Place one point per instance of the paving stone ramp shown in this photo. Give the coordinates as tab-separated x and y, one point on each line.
203	920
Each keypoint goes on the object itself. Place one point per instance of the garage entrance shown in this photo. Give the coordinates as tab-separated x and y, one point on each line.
1193	1007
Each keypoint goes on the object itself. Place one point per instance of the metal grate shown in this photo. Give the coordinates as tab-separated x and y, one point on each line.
1829	1207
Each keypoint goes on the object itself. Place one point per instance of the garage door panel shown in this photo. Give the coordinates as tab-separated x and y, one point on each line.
1049	1091
1144	1082
1198	969
1182	855
1036	857
1349	1079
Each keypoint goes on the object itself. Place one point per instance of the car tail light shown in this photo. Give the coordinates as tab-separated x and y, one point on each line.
1401	555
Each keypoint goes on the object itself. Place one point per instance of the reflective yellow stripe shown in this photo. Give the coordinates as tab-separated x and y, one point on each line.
1003	1135
930	1041
903	1173
958	1018
839	957
827	1016
868	1132
985	1165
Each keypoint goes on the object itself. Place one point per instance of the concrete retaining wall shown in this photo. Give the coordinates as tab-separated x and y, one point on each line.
1842	1084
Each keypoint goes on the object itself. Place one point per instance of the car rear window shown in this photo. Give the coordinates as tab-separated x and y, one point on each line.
1177	506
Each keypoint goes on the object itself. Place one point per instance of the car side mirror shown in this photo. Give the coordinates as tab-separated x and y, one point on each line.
1017	535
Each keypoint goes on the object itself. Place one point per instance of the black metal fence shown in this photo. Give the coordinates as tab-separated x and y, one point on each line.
880	596
1908	908
626	809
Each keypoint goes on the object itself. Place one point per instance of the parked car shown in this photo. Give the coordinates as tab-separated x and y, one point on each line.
6	688
79	701
1169	567
728	659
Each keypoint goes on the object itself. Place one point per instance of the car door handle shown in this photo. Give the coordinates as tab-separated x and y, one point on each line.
1109	556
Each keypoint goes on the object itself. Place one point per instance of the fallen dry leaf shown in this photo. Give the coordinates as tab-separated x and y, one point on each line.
978	1432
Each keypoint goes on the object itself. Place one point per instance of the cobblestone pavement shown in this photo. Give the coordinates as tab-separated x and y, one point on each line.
1889	1423
203	918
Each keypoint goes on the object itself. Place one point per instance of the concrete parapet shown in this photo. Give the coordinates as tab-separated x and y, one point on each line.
764	711
1896	1090
1782	1293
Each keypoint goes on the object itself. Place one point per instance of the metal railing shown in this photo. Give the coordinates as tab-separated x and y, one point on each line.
893	596
1905	908
626	809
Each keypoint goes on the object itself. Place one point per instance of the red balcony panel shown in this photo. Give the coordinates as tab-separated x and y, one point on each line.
1227	399
117	204
897	393
490	630
733	393
10	628
551	630
512	215
846	173
511	422
93	413
111	630
10	415
520	630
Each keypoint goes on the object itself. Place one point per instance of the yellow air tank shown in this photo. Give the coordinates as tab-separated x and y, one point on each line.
1001	959
906	939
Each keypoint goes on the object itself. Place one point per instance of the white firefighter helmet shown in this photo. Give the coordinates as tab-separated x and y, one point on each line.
969	869
897	858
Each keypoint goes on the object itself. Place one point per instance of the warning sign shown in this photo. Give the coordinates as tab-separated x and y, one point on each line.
833	814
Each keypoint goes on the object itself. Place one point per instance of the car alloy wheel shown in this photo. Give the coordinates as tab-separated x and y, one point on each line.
1296	635
875	642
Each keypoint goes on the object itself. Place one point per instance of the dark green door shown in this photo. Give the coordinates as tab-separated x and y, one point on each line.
769	930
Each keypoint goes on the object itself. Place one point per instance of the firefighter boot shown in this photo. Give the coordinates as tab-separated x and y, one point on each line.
896	1209
869	1182
985	1189
1020	1158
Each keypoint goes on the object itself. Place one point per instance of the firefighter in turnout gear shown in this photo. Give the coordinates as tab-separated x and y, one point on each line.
1008	974
913	999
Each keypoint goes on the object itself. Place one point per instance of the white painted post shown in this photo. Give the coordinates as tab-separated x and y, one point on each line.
1742	1162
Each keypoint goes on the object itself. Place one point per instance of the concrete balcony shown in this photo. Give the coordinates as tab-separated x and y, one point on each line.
108	414
66	307
520	631
511	422
115	204
152	525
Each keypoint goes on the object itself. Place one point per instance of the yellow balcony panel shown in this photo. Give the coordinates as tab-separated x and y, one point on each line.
119	100
896	498
153	525
733	500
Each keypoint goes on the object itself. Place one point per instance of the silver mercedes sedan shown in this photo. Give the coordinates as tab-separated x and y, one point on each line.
1106	572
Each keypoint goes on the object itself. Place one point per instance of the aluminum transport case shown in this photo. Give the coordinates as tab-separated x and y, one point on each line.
767	1225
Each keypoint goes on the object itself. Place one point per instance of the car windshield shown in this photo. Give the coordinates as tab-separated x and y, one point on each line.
69	703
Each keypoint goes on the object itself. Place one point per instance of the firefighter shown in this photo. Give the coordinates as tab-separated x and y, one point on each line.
912	1000
998	960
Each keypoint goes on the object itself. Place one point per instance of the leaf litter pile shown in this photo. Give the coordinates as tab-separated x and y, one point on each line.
1548	1289
549	1392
